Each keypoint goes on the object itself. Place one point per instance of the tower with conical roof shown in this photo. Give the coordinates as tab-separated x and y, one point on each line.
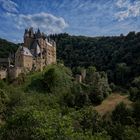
28	37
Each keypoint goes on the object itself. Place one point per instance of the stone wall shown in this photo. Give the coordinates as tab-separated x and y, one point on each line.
51	54
15	72
3	74
27	62
78	78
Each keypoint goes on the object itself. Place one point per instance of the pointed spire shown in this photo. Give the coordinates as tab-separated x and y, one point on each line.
31	32
26	33
38	31
38	34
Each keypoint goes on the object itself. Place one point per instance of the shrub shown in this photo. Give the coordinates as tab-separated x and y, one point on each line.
57	79
134	93
122	114
4	100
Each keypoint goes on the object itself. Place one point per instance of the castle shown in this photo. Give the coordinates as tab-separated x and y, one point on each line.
36	52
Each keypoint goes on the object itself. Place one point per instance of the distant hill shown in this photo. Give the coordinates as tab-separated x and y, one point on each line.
7	48
119	56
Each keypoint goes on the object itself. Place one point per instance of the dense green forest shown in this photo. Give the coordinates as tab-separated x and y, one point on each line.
52	105
7	48
118	56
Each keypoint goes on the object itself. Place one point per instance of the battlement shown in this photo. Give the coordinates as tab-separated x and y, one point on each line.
3	74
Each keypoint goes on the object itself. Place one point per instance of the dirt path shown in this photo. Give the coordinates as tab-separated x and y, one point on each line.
109	104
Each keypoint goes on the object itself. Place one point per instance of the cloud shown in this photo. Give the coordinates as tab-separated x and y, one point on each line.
127	9
45	21
9	6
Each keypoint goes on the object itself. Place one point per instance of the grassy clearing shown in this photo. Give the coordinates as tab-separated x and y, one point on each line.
109	104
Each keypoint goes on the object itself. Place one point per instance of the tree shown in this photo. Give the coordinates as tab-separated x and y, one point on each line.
136	113
57	79
33	124
90	74
122	73
122	114
4	100
135	90
99	86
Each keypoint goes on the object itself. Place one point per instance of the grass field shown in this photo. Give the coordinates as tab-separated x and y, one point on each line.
109	104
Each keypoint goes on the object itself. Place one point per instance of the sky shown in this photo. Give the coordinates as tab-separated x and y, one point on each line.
75	17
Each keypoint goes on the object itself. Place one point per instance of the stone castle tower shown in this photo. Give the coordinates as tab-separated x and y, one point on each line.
36	52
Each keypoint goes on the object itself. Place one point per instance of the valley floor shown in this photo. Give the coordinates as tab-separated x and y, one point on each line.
109	104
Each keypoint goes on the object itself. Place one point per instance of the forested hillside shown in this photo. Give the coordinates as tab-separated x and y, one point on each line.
118	56
51	105
7	48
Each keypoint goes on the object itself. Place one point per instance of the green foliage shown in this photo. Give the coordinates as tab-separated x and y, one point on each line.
122	71
6	48
86	120
135	90
116	131
122	114
118	56
57	79
66	112
113	87
99	87
4	99
32	124
134	93
131	133
136	82
136	113
2	85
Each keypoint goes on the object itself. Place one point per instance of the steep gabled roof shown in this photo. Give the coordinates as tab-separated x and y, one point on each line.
35	48
24	51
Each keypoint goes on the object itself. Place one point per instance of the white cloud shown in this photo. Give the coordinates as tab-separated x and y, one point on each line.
46	22
127	9
9	6
122	3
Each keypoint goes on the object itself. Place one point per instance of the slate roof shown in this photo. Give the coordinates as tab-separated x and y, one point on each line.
26	51
35	49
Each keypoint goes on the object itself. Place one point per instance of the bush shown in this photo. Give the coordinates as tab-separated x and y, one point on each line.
122	115
136	112
134	93
4	100
57	79
2	84
86	120
131	133
113	87
32	124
